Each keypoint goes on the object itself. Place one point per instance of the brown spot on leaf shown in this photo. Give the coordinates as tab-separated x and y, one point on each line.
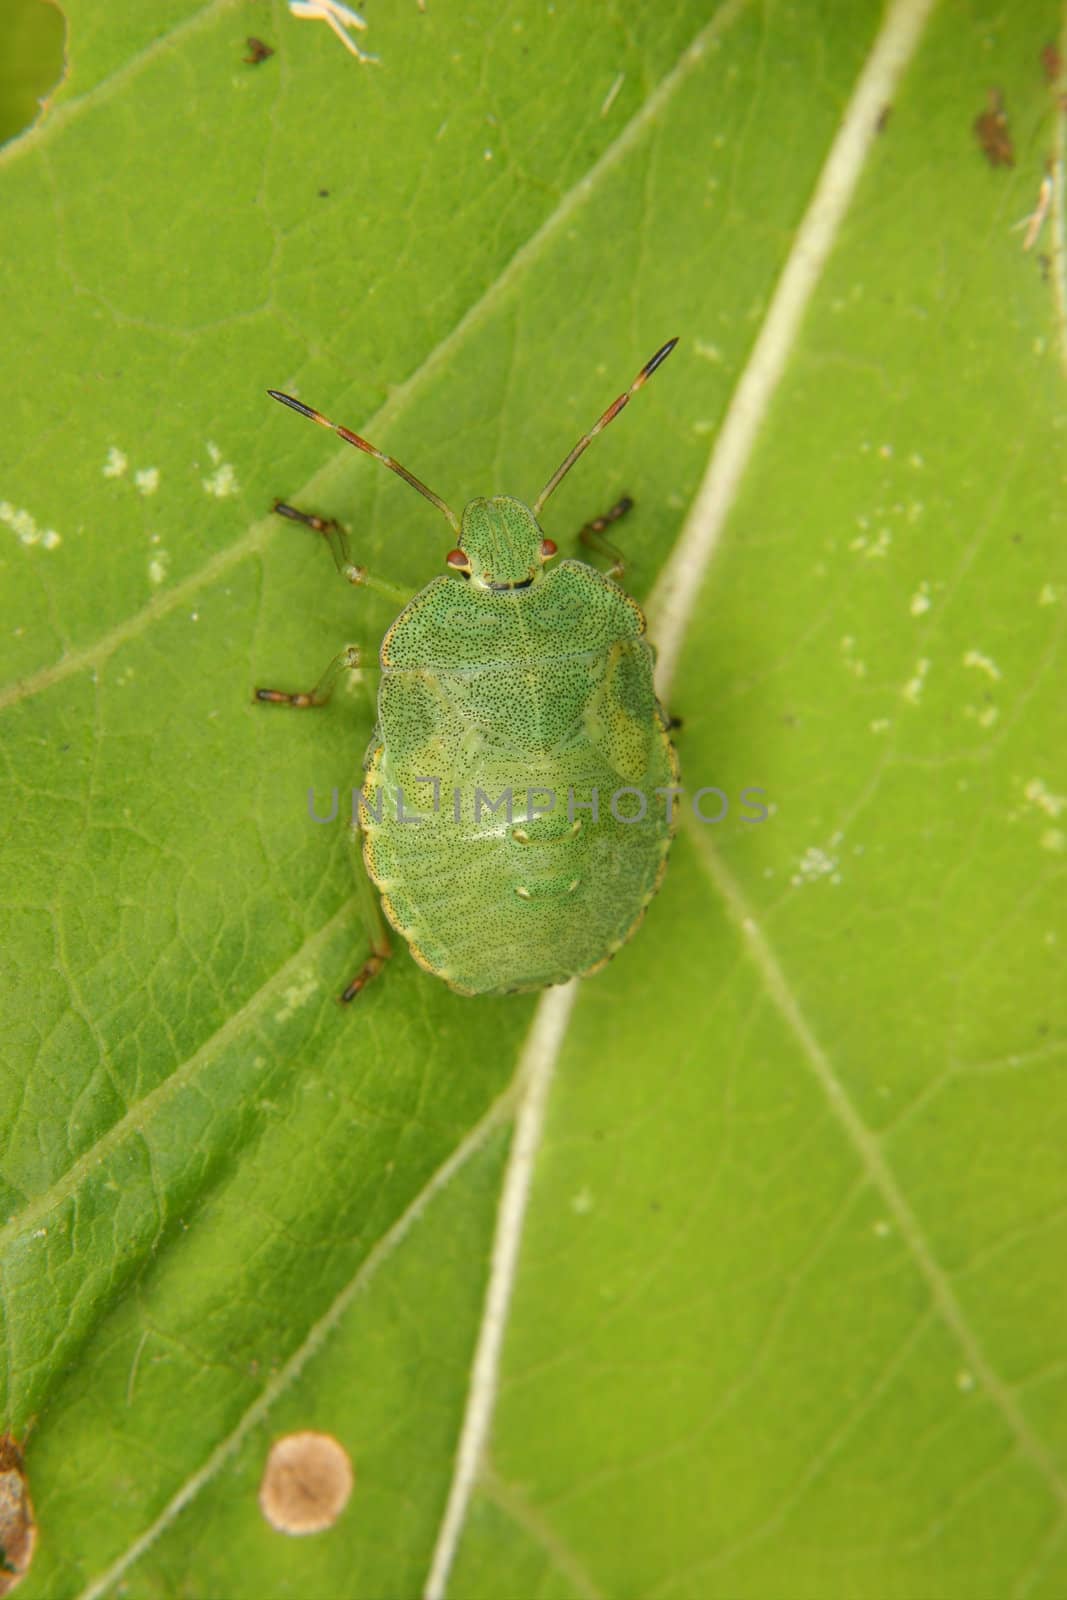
306	1483
18	1531
993	134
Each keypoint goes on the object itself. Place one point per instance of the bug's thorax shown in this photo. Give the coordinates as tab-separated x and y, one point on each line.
501	545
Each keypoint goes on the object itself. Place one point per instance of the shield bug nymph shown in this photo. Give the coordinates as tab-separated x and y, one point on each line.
517	802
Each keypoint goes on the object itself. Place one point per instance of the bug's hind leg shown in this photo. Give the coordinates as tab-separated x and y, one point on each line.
306	700
592	535
368	971
380	947
337	539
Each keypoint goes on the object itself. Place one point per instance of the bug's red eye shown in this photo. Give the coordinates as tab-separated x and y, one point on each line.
548	548
458	558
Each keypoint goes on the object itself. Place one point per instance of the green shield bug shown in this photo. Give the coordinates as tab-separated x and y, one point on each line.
517	801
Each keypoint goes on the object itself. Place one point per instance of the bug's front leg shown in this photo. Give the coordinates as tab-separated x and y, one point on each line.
592	535
337	539
306	700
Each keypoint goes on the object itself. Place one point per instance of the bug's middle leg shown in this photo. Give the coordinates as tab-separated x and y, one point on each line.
308	699
337	539
592	535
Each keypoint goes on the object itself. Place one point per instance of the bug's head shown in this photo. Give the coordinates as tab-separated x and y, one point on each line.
501	545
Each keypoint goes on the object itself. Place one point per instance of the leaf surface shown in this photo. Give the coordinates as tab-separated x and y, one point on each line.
787	1310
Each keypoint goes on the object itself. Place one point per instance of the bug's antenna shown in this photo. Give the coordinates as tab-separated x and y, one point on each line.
587	438
361	444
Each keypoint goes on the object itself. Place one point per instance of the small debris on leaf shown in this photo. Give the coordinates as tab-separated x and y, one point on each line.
1036	220
993	134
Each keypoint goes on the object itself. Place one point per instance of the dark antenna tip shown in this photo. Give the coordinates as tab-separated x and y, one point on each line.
362	444
296	405
598	427
660	356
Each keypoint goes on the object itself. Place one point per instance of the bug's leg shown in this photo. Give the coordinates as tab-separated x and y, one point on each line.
349	658
337	539
592	535
380	948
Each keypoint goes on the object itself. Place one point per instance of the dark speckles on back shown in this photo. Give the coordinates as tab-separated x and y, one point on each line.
570	610
541	688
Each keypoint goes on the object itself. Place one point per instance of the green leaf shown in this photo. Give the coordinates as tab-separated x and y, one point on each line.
736	1272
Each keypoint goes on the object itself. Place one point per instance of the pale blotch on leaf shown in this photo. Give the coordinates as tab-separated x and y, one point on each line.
983	663
914	687
1042	797
24	525
157	567
18	1531
298	994
223	481
306	1483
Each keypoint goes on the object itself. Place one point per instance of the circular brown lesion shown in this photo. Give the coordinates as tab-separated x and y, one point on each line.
18	1530
306	1483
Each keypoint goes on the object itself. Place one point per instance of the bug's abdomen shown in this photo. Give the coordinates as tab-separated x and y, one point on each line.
542	839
